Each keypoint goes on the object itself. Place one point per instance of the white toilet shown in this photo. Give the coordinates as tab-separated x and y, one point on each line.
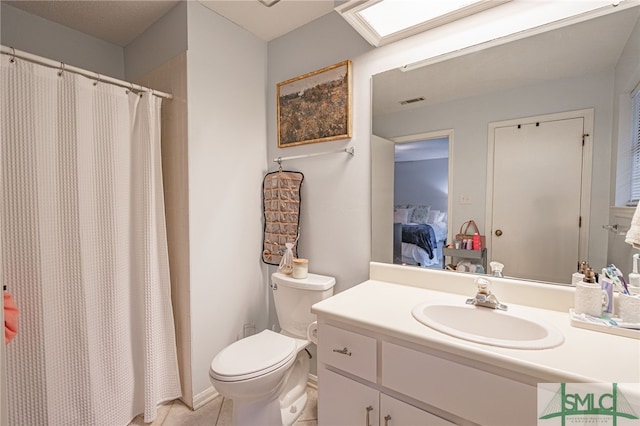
266	374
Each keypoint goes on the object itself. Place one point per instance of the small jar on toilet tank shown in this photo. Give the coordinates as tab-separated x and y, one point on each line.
300	268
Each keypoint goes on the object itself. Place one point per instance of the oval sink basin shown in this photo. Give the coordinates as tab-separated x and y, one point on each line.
487	326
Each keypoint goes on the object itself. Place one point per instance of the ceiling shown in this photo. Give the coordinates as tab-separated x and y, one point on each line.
270	22
116	21
121	21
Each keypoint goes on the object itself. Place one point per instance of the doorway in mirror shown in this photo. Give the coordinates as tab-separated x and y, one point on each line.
418	169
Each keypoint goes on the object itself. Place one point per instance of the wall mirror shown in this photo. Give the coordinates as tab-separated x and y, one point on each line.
582	69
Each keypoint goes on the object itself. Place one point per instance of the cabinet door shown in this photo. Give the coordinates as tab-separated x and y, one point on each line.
397	413
343	401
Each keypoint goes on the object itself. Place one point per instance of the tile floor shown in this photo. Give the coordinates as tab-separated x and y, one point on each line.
218	412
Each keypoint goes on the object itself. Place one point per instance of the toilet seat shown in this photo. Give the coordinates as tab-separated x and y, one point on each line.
253	356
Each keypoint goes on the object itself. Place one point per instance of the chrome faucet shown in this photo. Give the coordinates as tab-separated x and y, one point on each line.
484	297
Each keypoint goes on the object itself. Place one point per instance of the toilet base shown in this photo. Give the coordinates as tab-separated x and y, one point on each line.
293	397
270	414
286	407
292	412
246	413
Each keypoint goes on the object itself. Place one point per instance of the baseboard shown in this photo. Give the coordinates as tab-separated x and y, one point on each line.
313	381
204	397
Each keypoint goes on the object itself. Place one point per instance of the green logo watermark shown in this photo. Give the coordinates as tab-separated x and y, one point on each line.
588	403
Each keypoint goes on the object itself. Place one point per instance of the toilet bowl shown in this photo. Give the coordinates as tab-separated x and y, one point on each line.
266	374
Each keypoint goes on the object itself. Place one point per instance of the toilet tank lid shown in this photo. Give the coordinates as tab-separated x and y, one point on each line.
312	282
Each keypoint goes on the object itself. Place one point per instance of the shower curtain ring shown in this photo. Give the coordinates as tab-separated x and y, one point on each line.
95	83
13	55
61	69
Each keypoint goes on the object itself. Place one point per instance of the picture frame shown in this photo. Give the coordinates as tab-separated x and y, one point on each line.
315	107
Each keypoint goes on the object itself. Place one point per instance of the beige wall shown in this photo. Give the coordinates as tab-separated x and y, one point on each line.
171	77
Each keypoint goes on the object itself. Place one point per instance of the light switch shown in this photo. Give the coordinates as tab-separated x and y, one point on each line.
465	199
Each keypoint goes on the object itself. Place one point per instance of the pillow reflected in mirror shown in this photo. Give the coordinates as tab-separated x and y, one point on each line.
433	216
402	215
420	214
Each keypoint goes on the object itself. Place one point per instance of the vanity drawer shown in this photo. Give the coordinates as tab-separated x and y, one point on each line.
470	393
348	351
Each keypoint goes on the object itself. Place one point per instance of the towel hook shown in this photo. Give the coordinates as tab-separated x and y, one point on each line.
616	229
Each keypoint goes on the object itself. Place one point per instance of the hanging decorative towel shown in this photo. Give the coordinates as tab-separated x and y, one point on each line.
281	203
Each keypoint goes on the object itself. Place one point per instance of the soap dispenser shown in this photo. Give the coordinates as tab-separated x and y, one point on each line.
589	276
588	296
579	275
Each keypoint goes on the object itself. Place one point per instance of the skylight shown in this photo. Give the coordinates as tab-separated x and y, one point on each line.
384	21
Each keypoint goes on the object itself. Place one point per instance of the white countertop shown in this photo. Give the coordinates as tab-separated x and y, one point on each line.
385	307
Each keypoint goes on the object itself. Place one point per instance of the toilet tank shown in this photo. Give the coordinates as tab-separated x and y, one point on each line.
293	298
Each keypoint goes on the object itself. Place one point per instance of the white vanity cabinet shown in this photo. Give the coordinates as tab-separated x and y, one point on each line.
372	352
344	401
351	394
372	379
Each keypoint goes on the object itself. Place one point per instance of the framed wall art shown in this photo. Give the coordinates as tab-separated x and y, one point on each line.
315	107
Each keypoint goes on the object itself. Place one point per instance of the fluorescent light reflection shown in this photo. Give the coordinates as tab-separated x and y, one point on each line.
390	16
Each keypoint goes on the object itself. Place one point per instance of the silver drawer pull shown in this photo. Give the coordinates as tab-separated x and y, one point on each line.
344	351
386	420
369	409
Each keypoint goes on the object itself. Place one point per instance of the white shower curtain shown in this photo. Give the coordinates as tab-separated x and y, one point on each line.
84	251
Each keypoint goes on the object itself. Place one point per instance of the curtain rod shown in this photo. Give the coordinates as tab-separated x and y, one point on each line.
349	150
14	53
